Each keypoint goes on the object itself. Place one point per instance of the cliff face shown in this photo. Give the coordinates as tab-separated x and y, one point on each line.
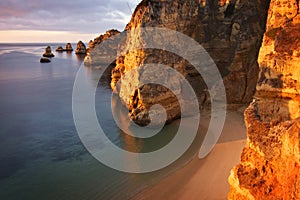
270	162
94	53
231	32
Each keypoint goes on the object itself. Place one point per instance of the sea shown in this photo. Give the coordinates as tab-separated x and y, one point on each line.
41	154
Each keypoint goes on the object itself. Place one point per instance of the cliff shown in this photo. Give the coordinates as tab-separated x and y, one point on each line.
270	162
93	54
230	31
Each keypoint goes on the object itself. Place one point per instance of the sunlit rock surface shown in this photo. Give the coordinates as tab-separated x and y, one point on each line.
231	32
80	48
95	52
269	167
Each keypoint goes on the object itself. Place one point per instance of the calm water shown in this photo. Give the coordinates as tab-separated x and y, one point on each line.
41	156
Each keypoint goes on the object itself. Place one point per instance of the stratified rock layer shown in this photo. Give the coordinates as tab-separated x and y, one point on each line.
231	32
270	162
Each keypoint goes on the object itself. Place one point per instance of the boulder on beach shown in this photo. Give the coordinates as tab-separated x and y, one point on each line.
81	48
45	60
69	47
48	52
60	49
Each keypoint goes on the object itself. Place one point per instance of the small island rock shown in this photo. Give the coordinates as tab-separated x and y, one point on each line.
60	49
69	47
48	52
81	48
45	60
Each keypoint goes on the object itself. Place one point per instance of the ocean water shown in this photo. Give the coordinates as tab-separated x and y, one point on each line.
41	155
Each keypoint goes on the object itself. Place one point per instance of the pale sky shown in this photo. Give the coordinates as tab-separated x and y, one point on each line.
61	20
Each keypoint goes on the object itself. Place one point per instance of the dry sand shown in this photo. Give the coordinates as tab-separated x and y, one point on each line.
206	178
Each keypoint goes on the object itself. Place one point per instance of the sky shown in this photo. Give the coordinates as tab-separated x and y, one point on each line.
61	20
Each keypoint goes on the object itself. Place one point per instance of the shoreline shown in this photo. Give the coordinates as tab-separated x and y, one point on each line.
204	178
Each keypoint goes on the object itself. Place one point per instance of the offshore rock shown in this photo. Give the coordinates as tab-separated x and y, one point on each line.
48	52
45	60
60	49
231	32
69	47
80	48
270	162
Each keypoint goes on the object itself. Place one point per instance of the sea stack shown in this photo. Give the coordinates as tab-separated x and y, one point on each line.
80	48
60	49
48	52
69	47
45	60
230	31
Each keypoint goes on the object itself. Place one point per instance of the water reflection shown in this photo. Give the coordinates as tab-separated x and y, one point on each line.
47	71
80	57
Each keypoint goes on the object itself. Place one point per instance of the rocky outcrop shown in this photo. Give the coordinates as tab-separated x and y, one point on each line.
101	38
60	49
48	52
45	60
270	162
69	47
94	54
231	32
80	48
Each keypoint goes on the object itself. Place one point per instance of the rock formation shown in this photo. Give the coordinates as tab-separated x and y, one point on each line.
60	49
101	38
45	60
270	162
69	47
231	32
93	53
48	52
80	48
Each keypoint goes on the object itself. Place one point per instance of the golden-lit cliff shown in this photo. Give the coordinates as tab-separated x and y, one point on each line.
270	162
231	32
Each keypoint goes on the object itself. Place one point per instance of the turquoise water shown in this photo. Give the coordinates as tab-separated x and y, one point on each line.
41	155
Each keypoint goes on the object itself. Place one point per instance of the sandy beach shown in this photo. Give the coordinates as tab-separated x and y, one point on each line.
204	178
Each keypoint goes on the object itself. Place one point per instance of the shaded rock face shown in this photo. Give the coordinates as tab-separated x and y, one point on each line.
48	52
270	162
231	32
45	60
80	48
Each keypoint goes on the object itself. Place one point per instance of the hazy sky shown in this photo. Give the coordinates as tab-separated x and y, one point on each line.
61	20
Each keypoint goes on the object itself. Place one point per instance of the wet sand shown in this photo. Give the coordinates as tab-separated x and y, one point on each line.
206	178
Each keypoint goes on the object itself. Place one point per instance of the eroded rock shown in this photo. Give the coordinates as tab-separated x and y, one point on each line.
231	32
48	52
45	60
69	47
80	48
270	162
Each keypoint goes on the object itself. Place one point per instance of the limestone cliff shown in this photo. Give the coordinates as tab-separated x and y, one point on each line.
231	32
270	162
93	53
